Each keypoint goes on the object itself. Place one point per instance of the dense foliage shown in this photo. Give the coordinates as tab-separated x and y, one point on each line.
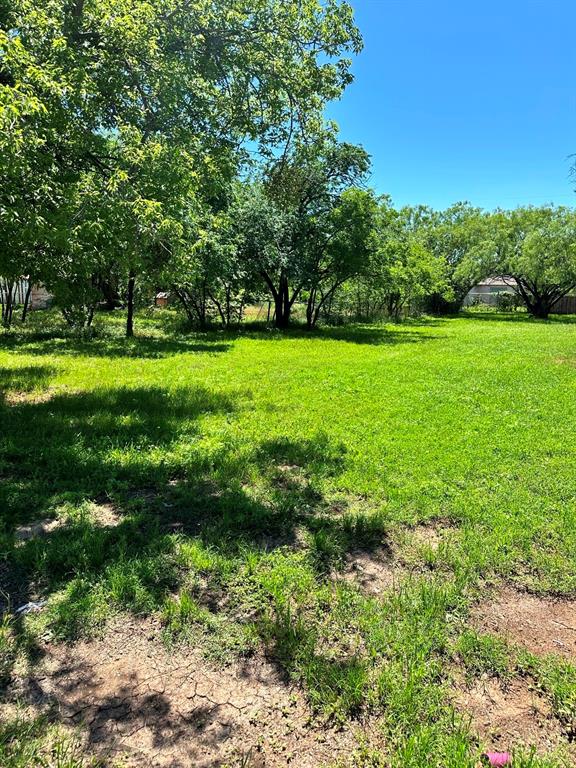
180	145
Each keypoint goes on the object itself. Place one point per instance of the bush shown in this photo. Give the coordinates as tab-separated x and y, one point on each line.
507	302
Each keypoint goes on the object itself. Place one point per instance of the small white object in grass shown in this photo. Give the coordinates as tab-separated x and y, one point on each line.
31	607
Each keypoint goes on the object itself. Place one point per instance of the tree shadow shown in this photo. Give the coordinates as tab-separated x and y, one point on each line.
94	443
25	379
134	449
43	344
139	450
374	335
518	317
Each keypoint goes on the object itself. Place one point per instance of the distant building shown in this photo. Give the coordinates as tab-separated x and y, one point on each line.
162	299
486	291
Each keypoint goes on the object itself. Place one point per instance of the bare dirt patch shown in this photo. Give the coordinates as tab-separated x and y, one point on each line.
506	717
373	572
134	700
290	477
36	529
386	567
105	514
565	360
428	535
541	625
35	397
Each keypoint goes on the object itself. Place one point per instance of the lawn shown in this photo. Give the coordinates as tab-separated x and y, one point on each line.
236	487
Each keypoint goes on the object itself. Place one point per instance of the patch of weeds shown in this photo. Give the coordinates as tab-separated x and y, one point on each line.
406	636
556	678
8	648
335	687
364	529
139	584
95	570
218	634
66	752
283	575
79	610
182	611
366	757
530	759
329	538
484	654
230	640
19	741
326	548
289	635
193	554
26	742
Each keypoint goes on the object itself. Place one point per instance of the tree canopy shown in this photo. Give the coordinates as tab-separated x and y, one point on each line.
181	144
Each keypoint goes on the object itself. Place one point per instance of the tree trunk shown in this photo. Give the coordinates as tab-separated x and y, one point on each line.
539	308
240	312
311	309
7	303
110	294
538	305
282	303
26	301
279	312
203	317
314	306
130	315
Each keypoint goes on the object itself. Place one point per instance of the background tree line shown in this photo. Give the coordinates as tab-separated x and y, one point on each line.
180	145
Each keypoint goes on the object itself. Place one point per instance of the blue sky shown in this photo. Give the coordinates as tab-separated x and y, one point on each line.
465	100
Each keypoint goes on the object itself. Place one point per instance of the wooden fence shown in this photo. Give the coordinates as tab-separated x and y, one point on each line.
565	306
18	291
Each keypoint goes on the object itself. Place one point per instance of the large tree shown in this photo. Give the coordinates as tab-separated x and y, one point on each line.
265	238
342	249
319	235
456	235
405	271
534	249
208	273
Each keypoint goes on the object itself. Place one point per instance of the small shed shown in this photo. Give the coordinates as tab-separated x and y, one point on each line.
162	299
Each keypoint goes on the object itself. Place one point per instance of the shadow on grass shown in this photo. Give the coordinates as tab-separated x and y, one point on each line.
140	451
236	532
51	338
25	379
38	343
95	443
518	317
404	333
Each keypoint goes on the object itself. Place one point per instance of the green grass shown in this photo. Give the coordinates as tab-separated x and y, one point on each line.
26	742
245	467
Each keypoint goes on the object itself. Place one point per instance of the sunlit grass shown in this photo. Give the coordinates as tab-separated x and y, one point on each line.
244	468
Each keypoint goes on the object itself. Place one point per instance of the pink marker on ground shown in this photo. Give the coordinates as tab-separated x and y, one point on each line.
497	758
